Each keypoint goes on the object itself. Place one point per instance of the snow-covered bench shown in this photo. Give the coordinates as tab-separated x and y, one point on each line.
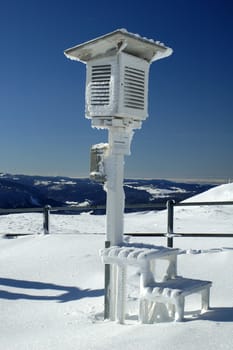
171	292
140	255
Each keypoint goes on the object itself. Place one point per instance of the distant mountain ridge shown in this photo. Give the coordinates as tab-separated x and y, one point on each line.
25	191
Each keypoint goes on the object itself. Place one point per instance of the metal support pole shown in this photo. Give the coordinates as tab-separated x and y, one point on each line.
107	288
46	219
114	164
119	139
114	225
170	221
115	200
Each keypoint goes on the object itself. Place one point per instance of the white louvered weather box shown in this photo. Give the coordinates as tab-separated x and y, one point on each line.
117	86
117	75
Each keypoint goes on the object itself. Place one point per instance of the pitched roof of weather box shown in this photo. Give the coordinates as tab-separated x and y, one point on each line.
117	41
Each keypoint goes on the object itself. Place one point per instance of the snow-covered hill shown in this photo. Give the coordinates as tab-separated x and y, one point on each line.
23	191
217	194
51	287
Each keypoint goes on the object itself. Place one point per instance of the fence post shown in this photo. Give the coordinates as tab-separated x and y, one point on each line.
107	287
46	213
170	221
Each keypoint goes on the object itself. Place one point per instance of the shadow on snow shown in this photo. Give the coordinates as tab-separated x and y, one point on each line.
218	314
215	314
70	293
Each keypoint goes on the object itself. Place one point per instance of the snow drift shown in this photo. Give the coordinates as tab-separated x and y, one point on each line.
51	287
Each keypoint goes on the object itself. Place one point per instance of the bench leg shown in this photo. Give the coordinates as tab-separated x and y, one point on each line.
143	311
121	294
152	312
179	308
113	292
205	299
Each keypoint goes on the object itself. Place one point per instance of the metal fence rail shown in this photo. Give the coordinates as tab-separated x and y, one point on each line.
80	208
70	209
170	220
170	234
189	204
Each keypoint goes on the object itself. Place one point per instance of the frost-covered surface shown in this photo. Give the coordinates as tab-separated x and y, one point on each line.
158	192
51	287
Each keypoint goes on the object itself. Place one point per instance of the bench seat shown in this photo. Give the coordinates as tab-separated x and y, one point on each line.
172	293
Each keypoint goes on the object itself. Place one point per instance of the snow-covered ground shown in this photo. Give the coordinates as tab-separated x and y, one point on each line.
51	287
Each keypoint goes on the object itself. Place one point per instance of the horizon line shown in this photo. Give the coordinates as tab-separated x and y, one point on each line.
212	180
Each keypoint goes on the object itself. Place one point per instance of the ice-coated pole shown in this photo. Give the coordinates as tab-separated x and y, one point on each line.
119	143
115	200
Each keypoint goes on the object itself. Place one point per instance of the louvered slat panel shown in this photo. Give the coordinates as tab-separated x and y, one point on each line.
100	85
134	88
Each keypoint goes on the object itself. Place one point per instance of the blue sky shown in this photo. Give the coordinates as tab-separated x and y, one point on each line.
189	131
